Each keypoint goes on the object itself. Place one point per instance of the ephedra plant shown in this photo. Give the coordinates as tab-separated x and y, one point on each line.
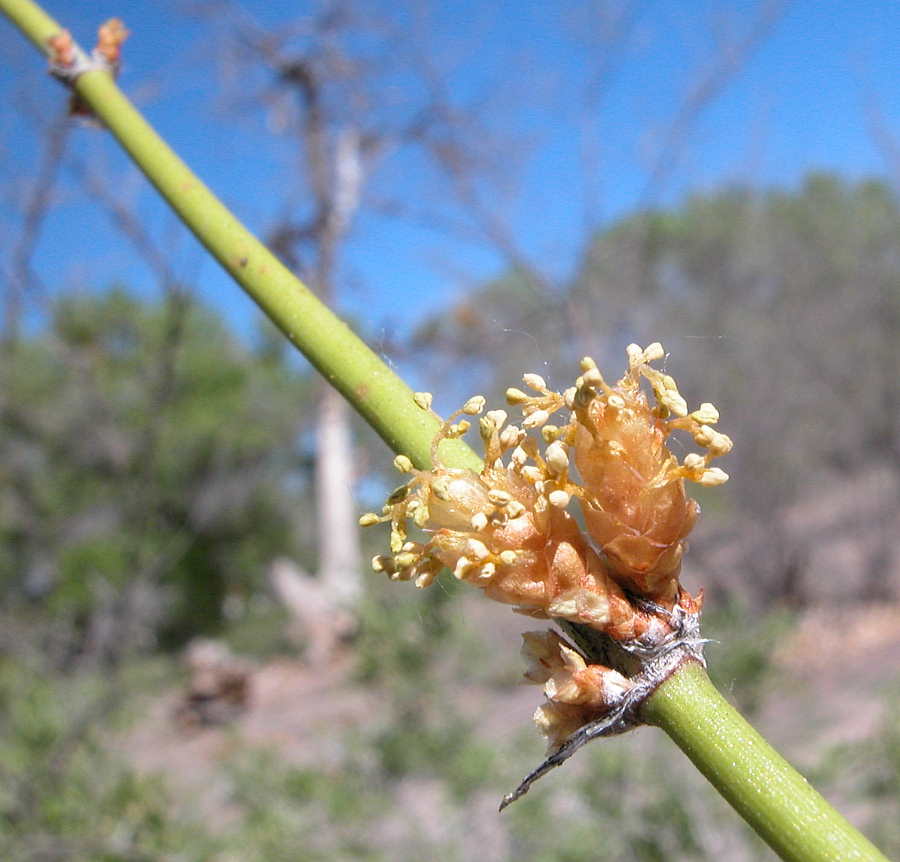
508	530
632	651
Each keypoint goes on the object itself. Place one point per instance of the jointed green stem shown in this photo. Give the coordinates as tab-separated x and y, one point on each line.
774	799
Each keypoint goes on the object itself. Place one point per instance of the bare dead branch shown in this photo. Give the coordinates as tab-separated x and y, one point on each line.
23	278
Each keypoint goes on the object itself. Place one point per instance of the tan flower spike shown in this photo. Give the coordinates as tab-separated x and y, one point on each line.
508	530
499	530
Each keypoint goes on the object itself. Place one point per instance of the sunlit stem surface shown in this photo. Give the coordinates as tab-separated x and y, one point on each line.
779	803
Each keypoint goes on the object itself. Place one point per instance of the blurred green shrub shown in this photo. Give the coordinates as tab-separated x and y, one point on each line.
64	795
150	470
742	664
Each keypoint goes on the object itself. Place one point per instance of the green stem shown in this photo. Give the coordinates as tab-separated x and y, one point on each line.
778	802
775	800
33	21
380	396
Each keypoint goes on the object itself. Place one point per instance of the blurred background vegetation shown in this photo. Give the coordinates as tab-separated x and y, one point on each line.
195	663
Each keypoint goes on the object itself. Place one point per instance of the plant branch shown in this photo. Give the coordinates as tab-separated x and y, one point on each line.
774	799
346	362
777	801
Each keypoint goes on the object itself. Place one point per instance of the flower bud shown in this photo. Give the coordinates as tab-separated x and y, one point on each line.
635	506
534	381
577	692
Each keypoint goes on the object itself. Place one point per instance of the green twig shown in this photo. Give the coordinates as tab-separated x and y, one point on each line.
774	799
778	802
381	397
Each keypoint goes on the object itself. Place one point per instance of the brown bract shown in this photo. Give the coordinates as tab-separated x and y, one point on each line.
62	49
577	693
110	38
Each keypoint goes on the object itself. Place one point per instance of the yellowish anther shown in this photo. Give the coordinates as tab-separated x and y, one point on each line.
369	519
420	518
403	464
477	550
516	396
499	497
406	560
498	417
592	377
423	399
535	381
616	402
532	473
559	499
486	427
457	429
719	445
110	38
487	571
716	442
397	540
635	356
713	476
508	558
509	436
550	433
536	419
674	402
587	363
474	405
563	686
706	415
556	457
703	435
378	563
694	461
653	352
462	568
514	509
545	720
426	579
569	397
479	521
518	457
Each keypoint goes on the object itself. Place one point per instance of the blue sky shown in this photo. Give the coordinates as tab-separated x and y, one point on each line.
804	100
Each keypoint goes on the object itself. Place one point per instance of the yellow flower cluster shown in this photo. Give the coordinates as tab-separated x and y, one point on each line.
509	531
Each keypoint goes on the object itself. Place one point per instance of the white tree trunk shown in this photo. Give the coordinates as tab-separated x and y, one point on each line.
340	567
